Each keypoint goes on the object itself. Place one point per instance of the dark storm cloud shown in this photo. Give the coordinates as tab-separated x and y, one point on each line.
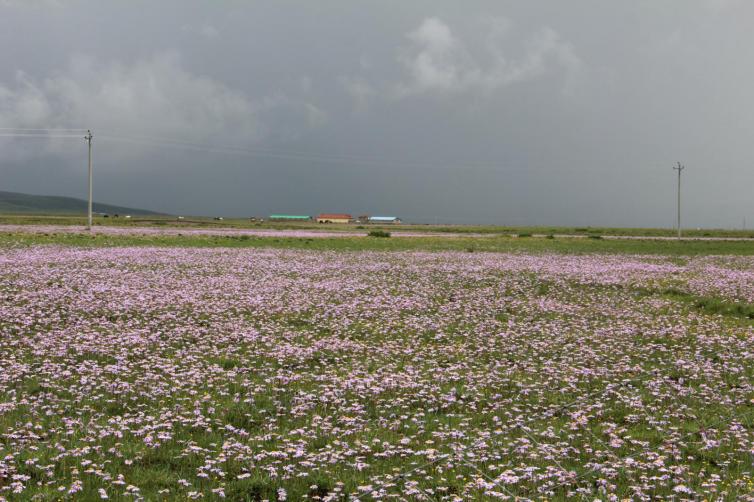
497	112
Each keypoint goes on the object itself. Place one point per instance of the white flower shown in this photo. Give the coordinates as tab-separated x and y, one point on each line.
682	489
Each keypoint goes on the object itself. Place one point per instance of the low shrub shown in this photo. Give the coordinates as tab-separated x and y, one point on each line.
379	233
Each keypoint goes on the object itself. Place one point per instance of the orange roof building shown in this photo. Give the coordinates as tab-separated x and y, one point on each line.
334	218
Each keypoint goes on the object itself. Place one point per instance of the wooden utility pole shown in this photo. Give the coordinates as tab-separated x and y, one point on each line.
88	139
679	168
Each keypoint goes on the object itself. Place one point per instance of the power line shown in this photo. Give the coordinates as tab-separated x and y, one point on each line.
258	152
40	129
304	156
266	152
37	135
278	154
50	133
261	152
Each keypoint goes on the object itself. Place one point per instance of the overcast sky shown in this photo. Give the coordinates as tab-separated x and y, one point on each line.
526	112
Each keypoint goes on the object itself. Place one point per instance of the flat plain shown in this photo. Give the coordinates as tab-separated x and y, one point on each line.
164	366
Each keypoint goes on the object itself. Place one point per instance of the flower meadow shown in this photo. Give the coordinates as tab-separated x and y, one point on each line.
161	231
277	374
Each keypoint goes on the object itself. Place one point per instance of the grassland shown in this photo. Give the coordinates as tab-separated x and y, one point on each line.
164	367
244	223
502	243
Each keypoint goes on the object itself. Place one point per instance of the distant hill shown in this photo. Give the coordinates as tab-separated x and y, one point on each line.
14	202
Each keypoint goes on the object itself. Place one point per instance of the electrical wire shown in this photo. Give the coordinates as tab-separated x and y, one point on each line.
33	135
51	129
292	155
233	150
312	157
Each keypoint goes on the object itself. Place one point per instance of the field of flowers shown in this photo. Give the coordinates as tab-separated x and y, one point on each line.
272	374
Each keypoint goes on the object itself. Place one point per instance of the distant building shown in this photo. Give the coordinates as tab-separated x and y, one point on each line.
392	220
363	218
334	218
289	217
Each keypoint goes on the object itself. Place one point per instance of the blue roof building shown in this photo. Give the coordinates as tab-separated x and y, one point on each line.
384	219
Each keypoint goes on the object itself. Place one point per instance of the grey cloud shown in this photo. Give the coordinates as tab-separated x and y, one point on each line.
315	116
359	90
439	61
491	111
722	5
155	96
205	30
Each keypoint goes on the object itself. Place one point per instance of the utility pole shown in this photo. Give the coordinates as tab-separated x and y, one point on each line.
679	168
88	139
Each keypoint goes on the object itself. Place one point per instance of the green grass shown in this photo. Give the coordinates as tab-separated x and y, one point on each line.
712	305
468	244
78	218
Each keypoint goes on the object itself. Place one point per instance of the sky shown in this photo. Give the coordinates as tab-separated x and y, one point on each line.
497	112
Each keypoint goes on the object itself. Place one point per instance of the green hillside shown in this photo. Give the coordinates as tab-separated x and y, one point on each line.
14	202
